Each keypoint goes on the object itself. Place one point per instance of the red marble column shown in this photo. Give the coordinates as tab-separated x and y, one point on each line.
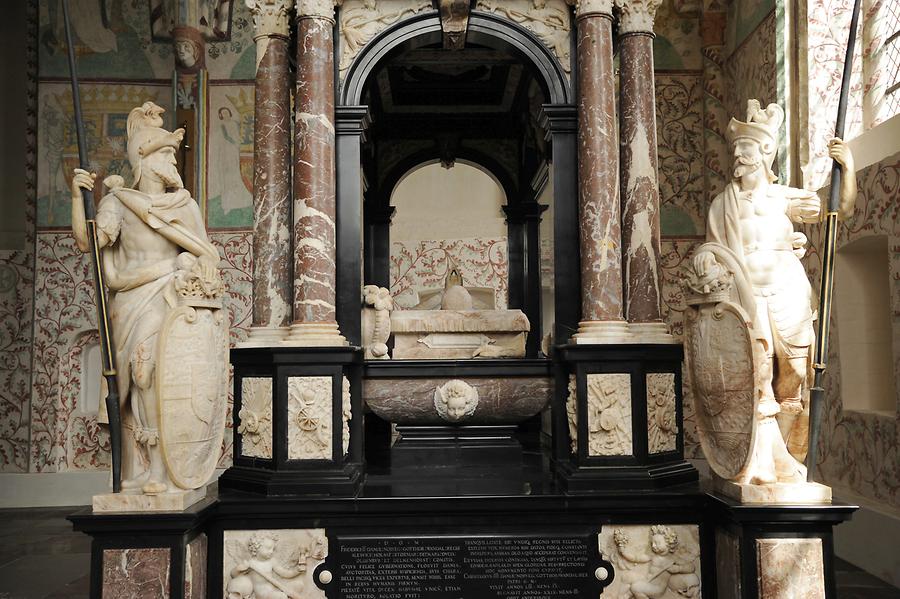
598	184
272	288
314	183
639	178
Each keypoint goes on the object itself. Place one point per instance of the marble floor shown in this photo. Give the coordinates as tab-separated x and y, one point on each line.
42	558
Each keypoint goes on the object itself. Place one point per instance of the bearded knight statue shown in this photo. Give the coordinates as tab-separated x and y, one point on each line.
168	329
749	323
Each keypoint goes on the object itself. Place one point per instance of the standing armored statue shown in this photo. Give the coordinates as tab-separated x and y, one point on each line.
168	327
750	267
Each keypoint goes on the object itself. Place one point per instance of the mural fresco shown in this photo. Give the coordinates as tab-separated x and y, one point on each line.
744	16
677	42
230	153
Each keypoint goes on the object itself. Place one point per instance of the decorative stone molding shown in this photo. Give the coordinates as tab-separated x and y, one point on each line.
653	561
270	17
255	417
376	321
273	563
455	400
548	19
637	16
316	9
609	414
662	427
584	8
309	417
361	20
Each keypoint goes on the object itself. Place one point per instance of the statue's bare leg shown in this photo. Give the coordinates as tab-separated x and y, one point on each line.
788	387
139	479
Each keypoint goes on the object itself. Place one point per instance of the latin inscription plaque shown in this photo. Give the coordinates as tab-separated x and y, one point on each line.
488	567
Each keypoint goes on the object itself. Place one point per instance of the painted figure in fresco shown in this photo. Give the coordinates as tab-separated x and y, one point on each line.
226	181
154	243
753	218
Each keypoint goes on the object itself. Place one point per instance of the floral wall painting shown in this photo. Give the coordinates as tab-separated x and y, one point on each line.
744	16
230	171
105	107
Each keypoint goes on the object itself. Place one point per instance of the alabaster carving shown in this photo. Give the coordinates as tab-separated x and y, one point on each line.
455	400
361	20
276	564
376	321
652	562
255	417
319	9
346	414
547	19
662	428
572	412
436	334
637	16
749	322
609	414
790	568
588	7
310	418
165	310
270	17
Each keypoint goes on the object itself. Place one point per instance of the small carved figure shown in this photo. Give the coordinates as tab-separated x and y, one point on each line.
455	400
378	304
665	571
266	576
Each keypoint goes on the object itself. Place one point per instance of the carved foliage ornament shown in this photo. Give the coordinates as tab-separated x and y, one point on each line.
588	7
637	16
270	17
320	9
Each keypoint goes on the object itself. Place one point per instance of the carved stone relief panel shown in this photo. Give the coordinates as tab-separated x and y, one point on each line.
255	417
652	561
361	20
662	427
309	417
346	414
790	568
609	414
547	19
572	412
273	563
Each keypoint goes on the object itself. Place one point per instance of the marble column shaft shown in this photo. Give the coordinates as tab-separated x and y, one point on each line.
314	170
598	183
272	288
640	185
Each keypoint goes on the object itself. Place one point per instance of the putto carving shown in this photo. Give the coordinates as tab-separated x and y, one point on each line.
270	17
609	414
361	20
653	562
662	428
637	16
455	400
376	321
309	417
255	417
547	19
273	563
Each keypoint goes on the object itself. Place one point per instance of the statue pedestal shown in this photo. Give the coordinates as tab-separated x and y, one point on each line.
776	493
139	502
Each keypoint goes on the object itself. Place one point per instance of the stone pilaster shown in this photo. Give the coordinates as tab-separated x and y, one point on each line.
315	321
272	289
598	179
639	177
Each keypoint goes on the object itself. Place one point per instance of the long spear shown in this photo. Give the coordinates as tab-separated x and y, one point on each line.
817	393
107	350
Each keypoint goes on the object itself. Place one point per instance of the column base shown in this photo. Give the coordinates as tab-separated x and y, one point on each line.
601	332
265	337
650	332
314	334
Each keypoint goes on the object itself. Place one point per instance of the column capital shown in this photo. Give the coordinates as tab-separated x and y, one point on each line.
584	8
637	16
316	9
270	17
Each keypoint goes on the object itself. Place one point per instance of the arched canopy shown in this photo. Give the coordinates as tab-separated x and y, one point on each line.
486	29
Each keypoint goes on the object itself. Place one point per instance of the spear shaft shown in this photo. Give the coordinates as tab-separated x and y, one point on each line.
817	392
107	349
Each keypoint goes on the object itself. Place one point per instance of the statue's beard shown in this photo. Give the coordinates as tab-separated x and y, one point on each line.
744	165
170	177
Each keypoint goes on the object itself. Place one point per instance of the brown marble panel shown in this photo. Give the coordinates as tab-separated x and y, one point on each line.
598	164
136	573
640	186
790	569
314	201
272	289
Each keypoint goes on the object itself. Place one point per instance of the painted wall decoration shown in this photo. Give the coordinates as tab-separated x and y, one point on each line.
744	17
229	184
751	69
105	107
861	450
424	266
113	40
677	42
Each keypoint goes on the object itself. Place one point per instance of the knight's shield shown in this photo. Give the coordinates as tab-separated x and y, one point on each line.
722	375
192	384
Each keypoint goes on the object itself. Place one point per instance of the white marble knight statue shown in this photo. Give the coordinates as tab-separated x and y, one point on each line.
749	322
169	330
